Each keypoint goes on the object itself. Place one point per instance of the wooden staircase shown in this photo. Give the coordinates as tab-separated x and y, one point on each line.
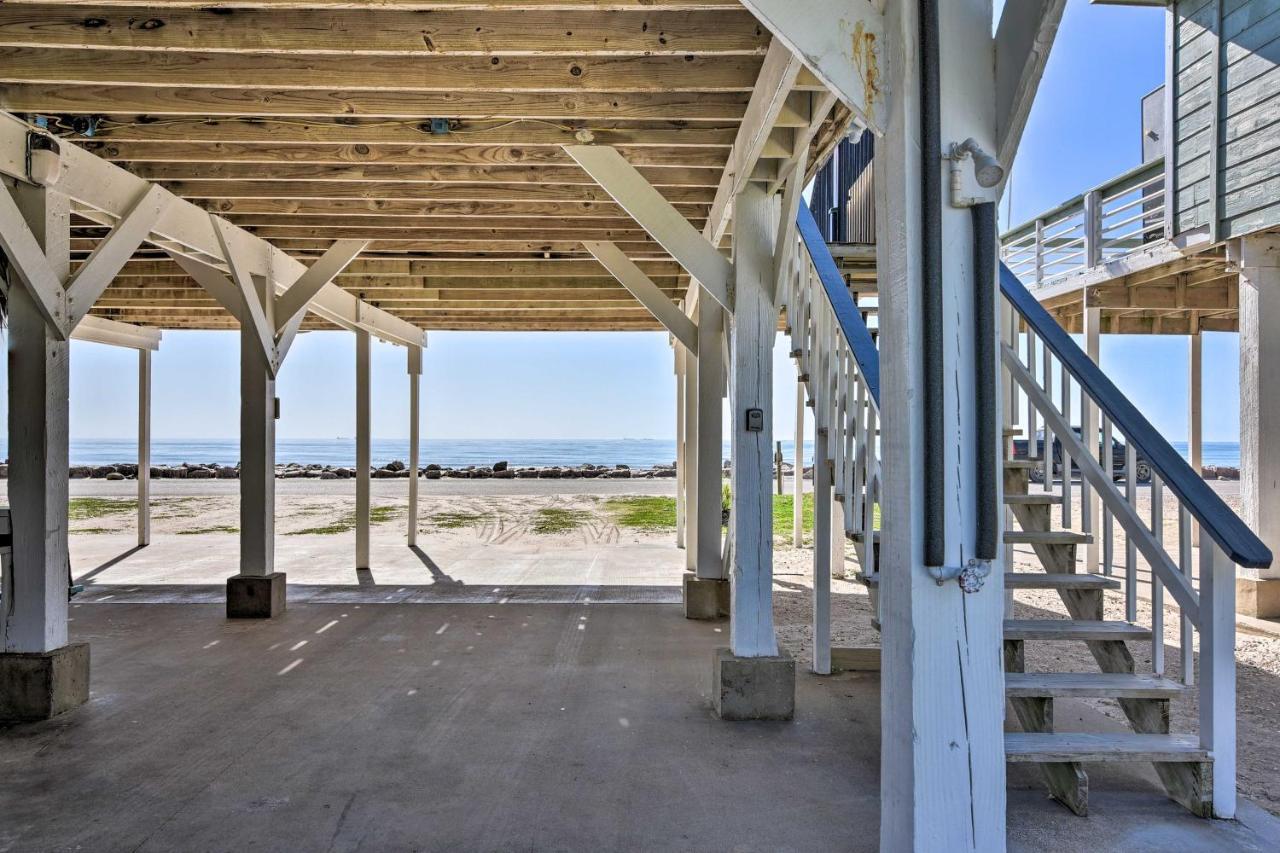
1182	765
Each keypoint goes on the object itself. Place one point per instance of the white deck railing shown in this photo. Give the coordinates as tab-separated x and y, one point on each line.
1122	216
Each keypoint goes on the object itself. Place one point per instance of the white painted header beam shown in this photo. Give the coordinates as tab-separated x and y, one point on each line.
109	193
1023	39
100	330
840	42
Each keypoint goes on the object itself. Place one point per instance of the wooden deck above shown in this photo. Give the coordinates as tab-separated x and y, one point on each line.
432	128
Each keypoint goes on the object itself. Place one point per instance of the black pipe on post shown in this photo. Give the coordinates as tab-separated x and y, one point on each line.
986	379
935	531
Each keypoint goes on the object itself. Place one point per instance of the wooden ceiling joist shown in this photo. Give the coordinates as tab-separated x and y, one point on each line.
431	131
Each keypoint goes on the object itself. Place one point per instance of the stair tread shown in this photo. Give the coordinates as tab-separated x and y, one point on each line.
1046	537
1033	499
1095	684
1063	580
1021	463
1072	629
1045	747
1018	537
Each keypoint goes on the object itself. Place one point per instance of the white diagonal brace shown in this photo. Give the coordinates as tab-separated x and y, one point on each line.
785	243
100	330
1023	40
110	256
213	280
293	302
646	292
839	41
700	258
31	265
254	310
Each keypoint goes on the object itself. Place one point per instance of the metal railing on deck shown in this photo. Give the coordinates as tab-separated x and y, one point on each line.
1107	222
1205	597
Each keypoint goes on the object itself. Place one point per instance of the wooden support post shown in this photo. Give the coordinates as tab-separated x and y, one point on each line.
144	447
1258	257
415	381
823	534
257	456
34	613
1090	431
678	353
797	510
709	563
362	449
693	472
1218	673
753	326
942	776
1195	420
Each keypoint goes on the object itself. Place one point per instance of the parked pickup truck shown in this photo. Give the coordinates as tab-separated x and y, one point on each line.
1117	457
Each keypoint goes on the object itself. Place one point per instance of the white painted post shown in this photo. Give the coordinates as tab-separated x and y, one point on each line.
822	538
144	447
415	382
942	777
1092	228
710	444
797	512
753	326
34	615
362	449
1259	264
1195	422
678	353
693	471
1218	673
257	455
1089	431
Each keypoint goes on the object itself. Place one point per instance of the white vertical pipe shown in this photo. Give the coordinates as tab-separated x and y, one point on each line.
144	447
362	448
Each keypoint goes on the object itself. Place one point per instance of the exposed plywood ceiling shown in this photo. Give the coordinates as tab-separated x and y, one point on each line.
307	122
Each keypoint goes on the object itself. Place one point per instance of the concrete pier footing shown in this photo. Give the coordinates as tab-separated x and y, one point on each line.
40	685
255	596
705	598
1258	597
753	688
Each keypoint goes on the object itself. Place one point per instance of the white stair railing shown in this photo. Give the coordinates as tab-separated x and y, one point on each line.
1203	590
838	363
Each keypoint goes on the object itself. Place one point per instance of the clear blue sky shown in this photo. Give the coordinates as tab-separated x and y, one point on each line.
1083	130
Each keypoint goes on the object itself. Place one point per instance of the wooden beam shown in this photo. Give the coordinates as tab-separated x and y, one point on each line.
649	294
291	304
253	310
159	100
839	42
656	215
352	131
1024	38
102	331
398	191
570	174
388	31
93	276
28	261
457	211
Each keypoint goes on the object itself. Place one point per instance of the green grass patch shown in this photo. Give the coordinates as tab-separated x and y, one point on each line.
456	520
643	512
218	528
554	520
783	515
81	509
377	515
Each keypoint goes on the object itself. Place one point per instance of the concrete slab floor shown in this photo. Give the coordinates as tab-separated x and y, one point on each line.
473	727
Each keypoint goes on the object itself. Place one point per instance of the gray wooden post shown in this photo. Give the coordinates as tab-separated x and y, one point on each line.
709	563
415	382
362	448
144	447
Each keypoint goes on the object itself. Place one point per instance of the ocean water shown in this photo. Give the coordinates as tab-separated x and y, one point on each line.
638	453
